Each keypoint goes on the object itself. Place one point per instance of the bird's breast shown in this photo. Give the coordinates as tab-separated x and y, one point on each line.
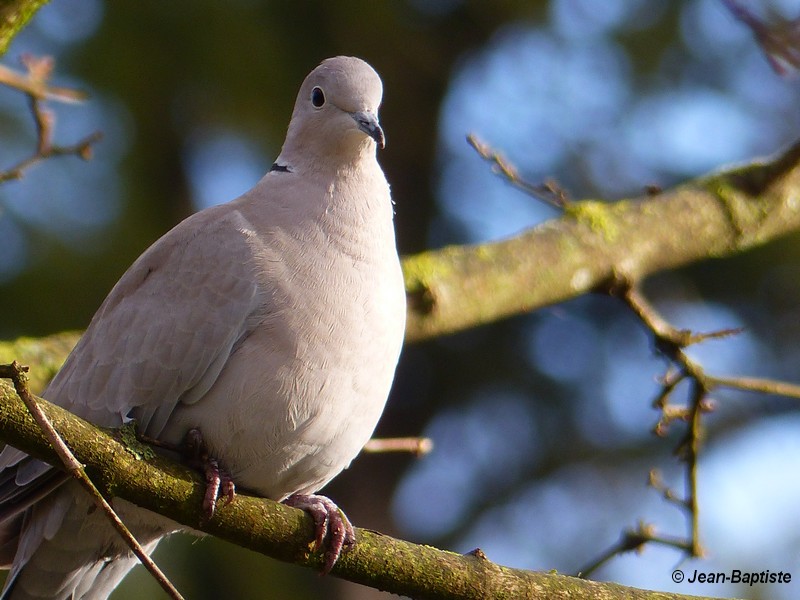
302	394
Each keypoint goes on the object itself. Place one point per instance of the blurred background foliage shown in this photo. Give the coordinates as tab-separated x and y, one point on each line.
542	422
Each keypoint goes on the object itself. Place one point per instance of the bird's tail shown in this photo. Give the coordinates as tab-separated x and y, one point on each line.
67	549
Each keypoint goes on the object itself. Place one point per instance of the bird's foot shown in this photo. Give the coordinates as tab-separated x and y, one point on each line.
329	522
218	485
218	482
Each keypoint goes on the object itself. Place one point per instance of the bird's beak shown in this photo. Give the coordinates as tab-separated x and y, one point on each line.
368	123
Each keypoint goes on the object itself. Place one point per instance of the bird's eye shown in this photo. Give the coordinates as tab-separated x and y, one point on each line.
317	97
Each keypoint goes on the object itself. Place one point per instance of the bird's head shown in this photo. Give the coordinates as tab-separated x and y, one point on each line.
337	109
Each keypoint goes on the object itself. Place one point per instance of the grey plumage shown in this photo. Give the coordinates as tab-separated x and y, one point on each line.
272	323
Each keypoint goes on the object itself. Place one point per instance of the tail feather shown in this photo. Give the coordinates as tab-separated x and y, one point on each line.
67	549
9	540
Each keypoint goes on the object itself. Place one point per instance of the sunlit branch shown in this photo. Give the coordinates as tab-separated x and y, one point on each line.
282	532
17	374
414	445
38	87
755	384
722	214
14	16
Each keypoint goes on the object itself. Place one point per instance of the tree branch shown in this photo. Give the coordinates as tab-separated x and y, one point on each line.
34	86
282	532
14	15
719	215
593	244
73	467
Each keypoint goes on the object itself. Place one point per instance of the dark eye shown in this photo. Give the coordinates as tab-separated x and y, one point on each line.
317	97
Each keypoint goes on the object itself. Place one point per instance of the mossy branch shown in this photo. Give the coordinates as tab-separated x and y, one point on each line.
593	243
14	15
284	533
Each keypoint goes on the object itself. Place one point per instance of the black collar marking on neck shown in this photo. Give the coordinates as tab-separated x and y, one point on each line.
280	168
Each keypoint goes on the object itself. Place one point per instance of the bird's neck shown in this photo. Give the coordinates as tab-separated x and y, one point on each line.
328	187
328	159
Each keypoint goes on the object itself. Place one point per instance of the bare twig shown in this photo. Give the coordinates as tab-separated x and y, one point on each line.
16	373
633	540
414	445
755	384
690	449
671	343
548	192
38	87
779	39
35	87
655	481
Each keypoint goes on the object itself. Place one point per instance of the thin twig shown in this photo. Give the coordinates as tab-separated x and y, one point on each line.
780	39
692	454
34	85
655	481
671	342
16	373
669	412
414	445
548	192
633	540
39	89
756	384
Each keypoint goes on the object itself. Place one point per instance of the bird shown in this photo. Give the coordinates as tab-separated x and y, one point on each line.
271	325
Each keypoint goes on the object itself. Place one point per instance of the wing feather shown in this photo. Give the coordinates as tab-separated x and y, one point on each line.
167	327
161	337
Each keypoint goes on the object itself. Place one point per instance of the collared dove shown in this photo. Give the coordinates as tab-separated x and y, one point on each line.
272	324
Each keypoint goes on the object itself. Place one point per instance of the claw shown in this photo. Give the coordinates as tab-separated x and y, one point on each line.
329	522
218	482
218	485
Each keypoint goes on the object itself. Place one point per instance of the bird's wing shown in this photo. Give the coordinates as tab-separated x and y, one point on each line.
161	337
168	326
